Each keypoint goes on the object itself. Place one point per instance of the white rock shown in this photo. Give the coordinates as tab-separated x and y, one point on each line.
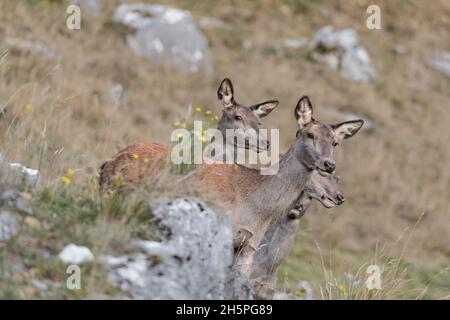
340	49
165	34
73	254
39	285
8	226
31	175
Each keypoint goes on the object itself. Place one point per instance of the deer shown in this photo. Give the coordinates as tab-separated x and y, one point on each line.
142	161
280	235
256	199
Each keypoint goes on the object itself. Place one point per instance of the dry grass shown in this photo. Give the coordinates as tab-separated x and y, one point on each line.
390	175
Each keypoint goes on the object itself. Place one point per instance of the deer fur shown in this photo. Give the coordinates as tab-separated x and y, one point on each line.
280	236
255	200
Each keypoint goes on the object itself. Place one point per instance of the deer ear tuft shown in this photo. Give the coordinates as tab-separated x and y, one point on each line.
225	93
303	111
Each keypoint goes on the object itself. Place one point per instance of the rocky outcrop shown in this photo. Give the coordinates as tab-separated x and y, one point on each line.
165	34
193	260
340	49
8	225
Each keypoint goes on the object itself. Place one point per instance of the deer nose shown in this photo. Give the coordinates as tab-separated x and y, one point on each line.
340	198
329	166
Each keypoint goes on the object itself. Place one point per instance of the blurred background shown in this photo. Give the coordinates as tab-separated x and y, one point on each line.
70	99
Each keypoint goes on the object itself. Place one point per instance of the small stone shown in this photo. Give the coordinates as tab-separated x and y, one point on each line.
295	43
18	200
32	222
73	254
165	34
8	226
39	285
34	47
440	62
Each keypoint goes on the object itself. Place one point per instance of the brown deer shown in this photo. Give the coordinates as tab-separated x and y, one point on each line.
254	198
281	234
142	161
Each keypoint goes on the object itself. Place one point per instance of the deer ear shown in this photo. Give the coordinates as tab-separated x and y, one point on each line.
225	93
303	111
263	109
347	129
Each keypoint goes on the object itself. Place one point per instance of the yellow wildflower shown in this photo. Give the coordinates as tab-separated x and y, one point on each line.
65	180
135	156
198	109
216	118
183	125
29	107
118	182
208	112
70	173
146	159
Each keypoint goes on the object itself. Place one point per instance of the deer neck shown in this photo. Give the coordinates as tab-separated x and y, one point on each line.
269	195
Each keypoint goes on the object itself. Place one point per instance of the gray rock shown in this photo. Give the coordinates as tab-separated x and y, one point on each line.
440	62
194	261
8	226
92	7
30	176
42	286
73	254
165	34
341	50
15	199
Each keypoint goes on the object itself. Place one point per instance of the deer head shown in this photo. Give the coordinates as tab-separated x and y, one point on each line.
324	189
243	120
316	141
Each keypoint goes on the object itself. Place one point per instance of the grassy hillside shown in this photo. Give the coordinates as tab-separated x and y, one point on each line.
56	115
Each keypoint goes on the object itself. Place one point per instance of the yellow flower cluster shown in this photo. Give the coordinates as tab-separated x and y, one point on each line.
178	124
67	178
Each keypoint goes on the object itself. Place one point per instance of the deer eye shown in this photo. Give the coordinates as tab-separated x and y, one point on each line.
310	135
239	118
335	144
